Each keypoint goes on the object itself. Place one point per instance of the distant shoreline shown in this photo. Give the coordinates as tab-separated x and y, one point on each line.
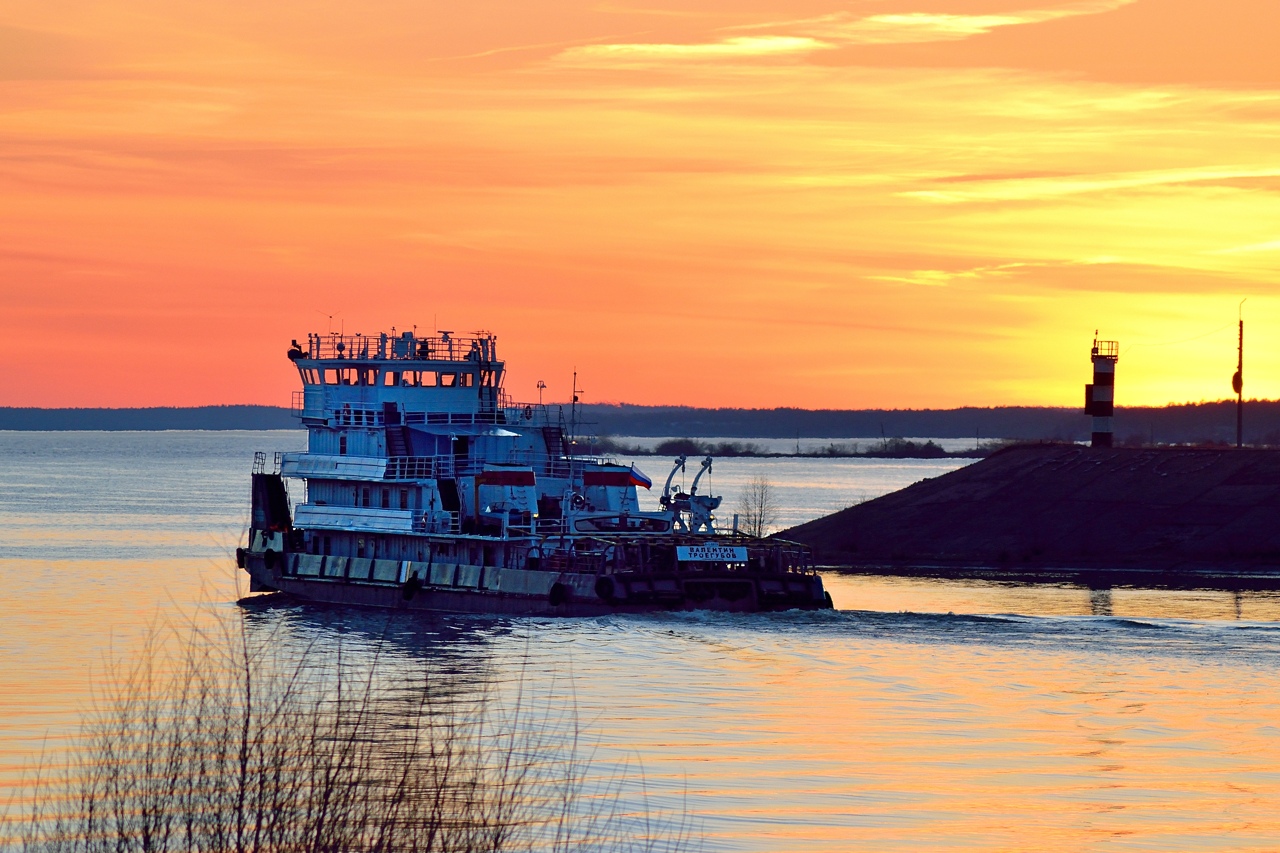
158	418
1190	423
893	448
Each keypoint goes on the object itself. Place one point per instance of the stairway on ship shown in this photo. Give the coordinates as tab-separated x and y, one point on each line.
397	441
397	433
554	438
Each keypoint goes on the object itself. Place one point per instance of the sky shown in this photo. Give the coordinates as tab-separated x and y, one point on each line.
757	203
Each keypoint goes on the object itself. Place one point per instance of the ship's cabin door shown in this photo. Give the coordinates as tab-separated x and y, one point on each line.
461	449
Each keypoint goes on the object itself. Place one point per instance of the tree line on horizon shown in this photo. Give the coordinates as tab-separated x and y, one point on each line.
1204	423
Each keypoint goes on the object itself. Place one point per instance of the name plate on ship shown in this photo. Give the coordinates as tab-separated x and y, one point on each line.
711	554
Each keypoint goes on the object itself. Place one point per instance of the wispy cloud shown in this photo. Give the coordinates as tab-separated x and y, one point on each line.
1050	187
1268	246
941	278
730	48
845	28
826	32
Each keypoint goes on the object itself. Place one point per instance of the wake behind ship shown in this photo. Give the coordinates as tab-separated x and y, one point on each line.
426	487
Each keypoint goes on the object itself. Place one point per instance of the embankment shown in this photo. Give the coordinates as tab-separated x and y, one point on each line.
1035	512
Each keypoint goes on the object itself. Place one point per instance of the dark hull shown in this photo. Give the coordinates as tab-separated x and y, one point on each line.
492	590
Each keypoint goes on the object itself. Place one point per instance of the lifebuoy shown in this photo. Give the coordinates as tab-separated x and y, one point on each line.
558	595
528	413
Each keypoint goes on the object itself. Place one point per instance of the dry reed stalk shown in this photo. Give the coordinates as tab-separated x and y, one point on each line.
220	741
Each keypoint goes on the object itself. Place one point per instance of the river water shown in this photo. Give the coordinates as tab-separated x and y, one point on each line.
920	715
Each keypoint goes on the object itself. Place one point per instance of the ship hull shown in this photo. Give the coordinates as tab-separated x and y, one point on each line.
504	591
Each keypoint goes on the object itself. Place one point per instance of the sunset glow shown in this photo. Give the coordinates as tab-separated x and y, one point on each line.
875	203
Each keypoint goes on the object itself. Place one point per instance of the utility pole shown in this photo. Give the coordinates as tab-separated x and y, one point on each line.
1237	381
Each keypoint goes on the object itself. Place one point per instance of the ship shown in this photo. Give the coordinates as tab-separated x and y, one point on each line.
424	486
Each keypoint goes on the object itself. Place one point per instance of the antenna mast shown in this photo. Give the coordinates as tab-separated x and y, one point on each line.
573	412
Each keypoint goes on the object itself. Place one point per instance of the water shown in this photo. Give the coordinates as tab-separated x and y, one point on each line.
921	715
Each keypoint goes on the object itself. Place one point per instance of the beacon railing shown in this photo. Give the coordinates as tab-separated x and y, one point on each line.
400	346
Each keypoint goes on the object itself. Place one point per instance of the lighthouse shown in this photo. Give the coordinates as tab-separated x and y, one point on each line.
1100	396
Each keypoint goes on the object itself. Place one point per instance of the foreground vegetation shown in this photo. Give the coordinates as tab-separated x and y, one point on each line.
225	742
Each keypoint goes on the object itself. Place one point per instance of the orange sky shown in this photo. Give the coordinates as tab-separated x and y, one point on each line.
876	203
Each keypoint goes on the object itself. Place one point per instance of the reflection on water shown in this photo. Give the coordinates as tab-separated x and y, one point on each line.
921	715
975	597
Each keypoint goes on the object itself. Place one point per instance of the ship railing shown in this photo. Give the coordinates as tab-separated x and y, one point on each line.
348	415
448	467
419	467
522	531
260	462
450	526
562	466
360	417
482	417
430	467
444	466
541	415
400	346
297	403
582	562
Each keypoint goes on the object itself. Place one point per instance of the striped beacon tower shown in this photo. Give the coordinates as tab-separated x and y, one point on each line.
1099	397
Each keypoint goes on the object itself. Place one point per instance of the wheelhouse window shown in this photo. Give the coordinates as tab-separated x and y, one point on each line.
418	378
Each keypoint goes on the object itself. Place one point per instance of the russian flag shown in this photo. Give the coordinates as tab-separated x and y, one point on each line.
639	478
